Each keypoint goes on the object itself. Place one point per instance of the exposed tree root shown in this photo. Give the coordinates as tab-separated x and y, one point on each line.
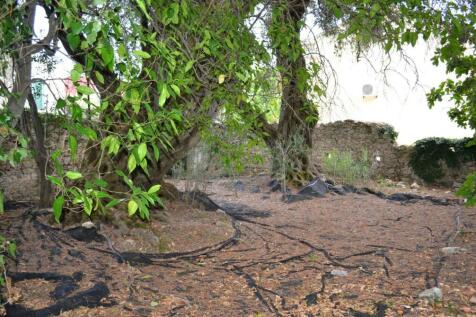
257	291
263	235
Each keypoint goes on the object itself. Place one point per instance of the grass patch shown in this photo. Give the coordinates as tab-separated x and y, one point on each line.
343	167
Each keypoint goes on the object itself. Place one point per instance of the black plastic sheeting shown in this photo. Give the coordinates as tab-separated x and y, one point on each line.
89	298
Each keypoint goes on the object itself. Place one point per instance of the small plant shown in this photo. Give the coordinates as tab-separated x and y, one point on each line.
95	195
7	248
388	131
341	166
288	167
468	189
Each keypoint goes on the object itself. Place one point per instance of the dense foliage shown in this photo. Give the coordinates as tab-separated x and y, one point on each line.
429	156
166	71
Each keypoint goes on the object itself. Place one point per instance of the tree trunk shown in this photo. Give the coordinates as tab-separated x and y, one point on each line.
40	154
22	70
293	140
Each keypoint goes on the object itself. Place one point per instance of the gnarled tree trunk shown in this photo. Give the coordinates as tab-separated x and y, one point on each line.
292	140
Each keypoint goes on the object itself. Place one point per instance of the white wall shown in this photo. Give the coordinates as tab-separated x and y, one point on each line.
401	101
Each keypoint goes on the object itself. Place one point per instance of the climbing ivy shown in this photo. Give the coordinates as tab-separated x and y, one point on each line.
429	155
388	131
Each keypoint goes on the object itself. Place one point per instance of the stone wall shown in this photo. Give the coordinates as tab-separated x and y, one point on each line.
20	183
388	159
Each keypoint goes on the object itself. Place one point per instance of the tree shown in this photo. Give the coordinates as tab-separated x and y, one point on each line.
17	50
360	25
164	72
298	115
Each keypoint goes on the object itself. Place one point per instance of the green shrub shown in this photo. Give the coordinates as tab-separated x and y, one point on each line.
388	131
468	189
342	167
429	155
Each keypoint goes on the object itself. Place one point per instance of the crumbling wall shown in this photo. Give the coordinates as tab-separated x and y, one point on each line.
378	139
388	159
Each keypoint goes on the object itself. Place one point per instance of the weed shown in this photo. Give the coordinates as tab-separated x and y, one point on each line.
344	168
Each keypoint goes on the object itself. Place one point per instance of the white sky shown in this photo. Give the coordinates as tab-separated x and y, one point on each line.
398	102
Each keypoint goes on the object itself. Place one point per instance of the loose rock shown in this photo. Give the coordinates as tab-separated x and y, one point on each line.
276	187
401	185
316	188
88	225
311	299
341	273
452	250
239	186
85	234
75	253
255	189
414	185
432	294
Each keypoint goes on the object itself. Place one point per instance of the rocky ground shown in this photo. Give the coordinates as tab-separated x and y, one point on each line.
355	254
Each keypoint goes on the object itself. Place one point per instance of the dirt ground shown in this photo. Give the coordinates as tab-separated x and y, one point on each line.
351	255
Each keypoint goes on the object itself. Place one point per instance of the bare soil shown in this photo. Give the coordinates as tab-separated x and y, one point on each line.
258	256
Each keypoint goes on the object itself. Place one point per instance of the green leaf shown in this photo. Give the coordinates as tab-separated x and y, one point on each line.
122	51
113	203
176	89
76	27
85	90
189	65
156	151
229	43
184	6
73	175
132	207
101	182
12	249
142	151
154	189
221	78
141	54
58	207
2	202
73	146
175	11
107	54
87	132
164	94
143	165
134	99
54	180
73	40
88	205
131	163
76	72
143	8
99	77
